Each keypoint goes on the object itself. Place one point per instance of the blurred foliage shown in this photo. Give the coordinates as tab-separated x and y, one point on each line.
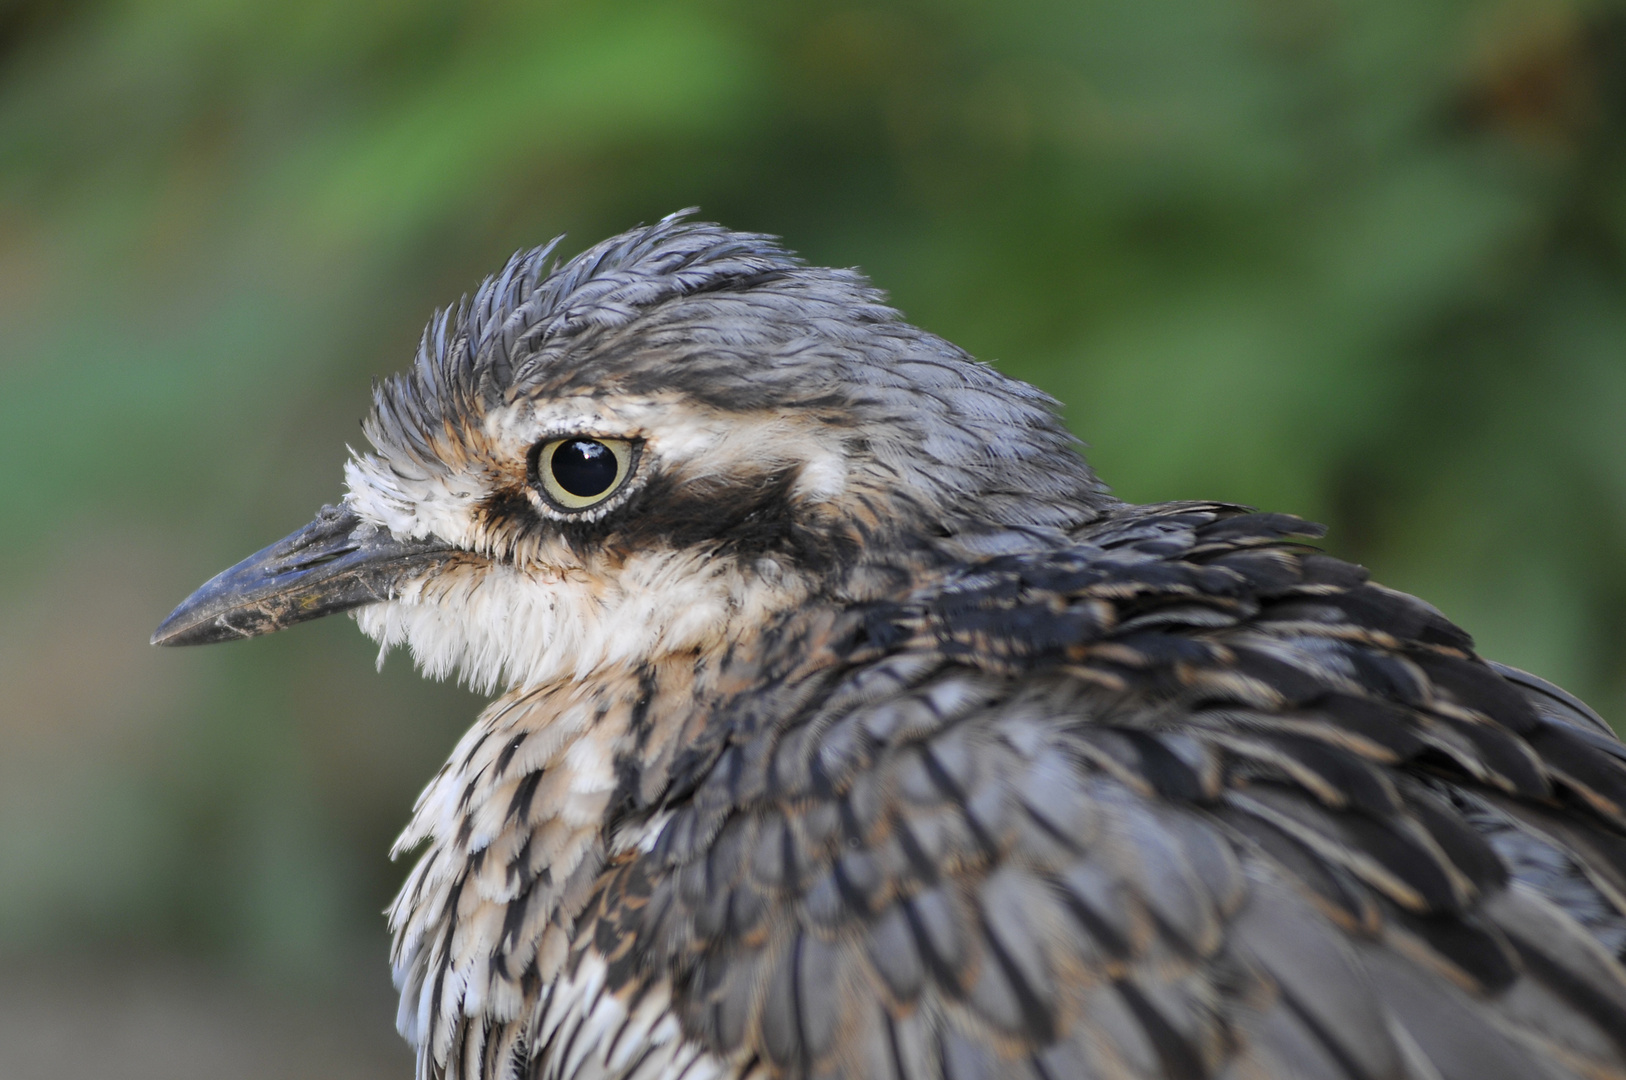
1360	261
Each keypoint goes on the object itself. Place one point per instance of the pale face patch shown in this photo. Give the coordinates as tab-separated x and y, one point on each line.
499	626
679	438
531	614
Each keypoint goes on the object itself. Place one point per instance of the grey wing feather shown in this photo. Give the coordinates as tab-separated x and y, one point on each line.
1555	703
1188	801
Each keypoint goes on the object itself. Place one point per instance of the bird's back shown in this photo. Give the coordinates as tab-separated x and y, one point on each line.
1185	799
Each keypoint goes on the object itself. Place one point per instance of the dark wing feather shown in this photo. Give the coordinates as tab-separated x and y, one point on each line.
1187	800
1558	705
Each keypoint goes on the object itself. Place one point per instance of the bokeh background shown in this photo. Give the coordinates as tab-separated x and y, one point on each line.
1359	259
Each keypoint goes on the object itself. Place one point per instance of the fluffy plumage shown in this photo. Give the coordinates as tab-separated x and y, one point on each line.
861	733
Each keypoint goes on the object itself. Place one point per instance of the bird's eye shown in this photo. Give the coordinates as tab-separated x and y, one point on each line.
580	471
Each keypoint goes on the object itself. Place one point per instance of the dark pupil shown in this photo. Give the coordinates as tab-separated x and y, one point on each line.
584	467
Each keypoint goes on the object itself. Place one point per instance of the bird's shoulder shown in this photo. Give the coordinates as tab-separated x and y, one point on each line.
1185	794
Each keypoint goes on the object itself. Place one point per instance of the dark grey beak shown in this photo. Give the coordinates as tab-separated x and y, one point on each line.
333	564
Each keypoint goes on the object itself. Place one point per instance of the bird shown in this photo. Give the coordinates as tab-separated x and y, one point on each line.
845	724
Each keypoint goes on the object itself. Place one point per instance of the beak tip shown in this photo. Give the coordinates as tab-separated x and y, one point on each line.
172	631
199	622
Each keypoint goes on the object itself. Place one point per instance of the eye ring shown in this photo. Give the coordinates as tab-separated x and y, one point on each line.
578	472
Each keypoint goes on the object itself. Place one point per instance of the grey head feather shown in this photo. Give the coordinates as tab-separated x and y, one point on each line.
733	321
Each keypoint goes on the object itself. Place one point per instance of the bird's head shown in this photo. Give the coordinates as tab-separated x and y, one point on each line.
648	451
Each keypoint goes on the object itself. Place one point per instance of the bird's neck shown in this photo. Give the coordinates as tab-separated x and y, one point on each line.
552	781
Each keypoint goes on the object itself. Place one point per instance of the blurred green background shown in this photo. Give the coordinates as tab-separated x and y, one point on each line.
1363	261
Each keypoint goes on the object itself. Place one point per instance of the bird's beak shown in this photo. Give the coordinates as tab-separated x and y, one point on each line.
333	564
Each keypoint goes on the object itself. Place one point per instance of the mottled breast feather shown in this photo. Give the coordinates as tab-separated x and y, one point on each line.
1186	799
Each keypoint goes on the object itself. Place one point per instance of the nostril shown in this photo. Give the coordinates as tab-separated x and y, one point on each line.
319	559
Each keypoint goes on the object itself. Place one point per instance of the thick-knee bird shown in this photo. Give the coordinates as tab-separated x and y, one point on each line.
847	726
